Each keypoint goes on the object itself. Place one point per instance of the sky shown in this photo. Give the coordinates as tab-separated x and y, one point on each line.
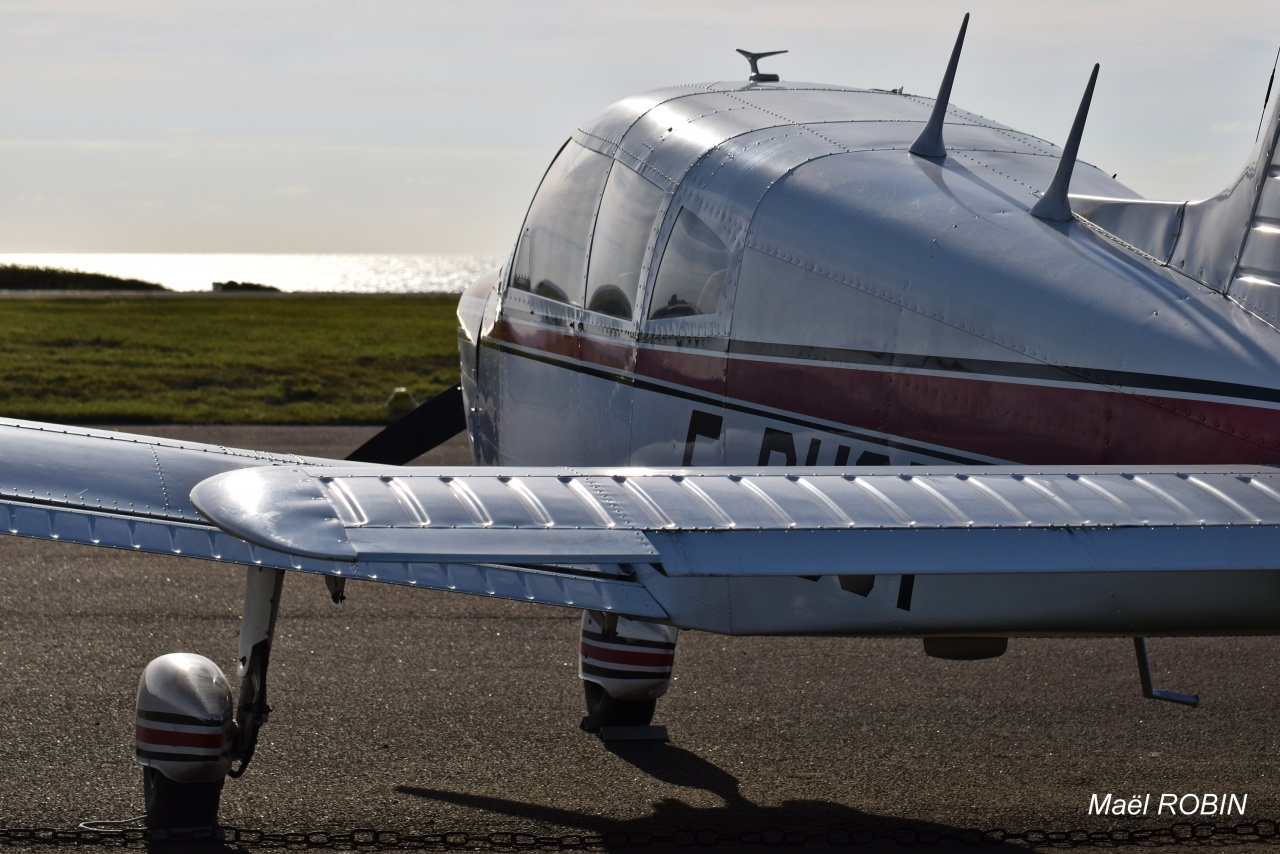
417	126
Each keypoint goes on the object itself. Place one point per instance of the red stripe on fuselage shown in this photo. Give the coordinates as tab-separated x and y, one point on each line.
1019	421
552	341
618	355
702	372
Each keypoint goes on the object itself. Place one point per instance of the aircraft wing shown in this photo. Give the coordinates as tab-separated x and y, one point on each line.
577	537
132	492
764	521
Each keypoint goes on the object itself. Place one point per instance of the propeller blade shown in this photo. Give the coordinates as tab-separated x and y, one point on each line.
430	425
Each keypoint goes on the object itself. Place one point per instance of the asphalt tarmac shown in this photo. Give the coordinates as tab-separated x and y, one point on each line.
428	713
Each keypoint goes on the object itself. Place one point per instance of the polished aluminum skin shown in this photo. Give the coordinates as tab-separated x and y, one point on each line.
1230	243
770	522
845	252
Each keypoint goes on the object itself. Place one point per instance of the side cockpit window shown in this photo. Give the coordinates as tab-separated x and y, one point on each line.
551	260
691	275
627	212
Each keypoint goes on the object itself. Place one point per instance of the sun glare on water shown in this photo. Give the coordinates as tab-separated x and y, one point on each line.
343	273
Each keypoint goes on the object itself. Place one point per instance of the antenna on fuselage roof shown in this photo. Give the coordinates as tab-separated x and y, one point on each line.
929	142
1267	100
1053	204
753	58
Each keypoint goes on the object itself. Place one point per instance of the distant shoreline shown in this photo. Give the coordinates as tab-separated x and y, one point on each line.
195	272
26	277
57	293
23	282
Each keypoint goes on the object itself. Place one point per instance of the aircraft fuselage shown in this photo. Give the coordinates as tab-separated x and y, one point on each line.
763	275
873	307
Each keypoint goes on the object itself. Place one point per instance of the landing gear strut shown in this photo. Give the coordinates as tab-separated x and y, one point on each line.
186	739
261	605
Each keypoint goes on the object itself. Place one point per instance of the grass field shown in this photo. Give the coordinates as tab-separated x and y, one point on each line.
219	359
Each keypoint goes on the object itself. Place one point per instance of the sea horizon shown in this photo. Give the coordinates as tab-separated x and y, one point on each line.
295	272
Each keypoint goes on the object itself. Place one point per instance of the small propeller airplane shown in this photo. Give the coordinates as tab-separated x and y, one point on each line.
769	358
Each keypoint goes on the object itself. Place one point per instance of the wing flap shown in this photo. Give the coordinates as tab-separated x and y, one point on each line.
963	550
546	546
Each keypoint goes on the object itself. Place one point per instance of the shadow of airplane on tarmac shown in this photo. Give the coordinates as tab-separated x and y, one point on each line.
737	825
